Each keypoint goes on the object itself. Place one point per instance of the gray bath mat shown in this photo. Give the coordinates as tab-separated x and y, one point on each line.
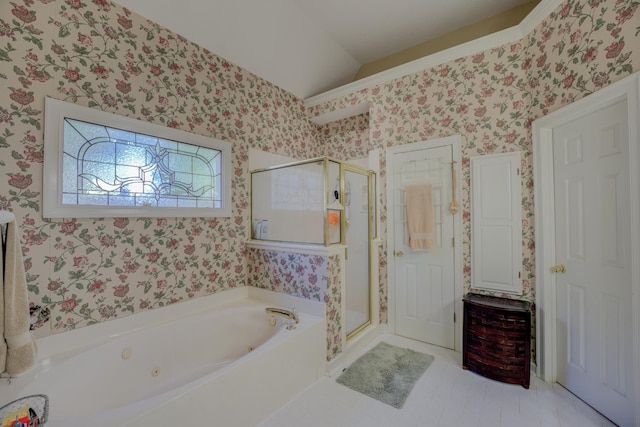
386	373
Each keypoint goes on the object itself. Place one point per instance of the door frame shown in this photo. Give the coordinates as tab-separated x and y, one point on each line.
369	174
454	142
627	89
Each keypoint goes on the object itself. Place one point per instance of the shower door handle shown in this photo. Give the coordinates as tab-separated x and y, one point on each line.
399	253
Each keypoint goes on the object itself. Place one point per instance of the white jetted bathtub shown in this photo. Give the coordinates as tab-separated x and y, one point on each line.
217	360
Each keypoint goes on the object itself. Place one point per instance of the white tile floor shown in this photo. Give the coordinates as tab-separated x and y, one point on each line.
446	395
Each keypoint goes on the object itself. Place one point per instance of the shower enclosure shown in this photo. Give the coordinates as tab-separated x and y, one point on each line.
358	237
327	202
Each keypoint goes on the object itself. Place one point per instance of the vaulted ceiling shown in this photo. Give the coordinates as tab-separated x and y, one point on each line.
311	46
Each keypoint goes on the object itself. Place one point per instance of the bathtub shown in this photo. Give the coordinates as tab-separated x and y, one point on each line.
194	363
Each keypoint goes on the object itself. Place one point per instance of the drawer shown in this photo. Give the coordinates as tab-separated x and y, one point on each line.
497	338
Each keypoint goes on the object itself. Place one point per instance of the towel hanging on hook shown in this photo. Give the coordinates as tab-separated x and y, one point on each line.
6	217
18	351
453	207
420	218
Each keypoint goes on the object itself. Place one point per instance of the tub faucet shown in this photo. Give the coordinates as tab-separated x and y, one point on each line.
284	313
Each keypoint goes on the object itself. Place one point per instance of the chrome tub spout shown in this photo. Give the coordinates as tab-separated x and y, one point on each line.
284	313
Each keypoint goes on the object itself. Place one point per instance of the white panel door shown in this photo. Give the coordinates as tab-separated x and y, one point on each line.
594	337
496	223
424	281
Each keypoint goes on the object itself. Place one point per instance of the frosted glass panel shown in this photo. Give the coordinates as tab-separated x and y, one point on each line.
200	167
73	139
89	131
187	203
121	135
358	289
169	145
186	148
146	140
122	200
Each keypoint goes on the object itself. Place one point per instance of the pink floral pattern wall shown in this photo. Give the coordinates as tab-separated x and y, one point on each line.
347	139
98	54
312	277
300	275
492	97
333	301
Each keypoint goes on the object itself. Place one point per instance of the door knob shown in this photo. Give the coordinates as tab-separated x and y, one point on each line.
560	268
399	253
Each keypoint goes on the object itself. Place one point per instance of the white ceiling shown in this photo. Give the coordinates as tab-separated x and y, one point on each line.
310	46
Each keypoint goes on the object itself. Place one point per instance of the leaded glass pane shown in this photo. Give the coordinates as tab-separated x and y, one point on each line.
93	199
70	176
187	148
217	183
73	141
186	203
142	200
201	168
210	155
168	202
124	200
179	162
89	131
121	135
100	151
168	145
125	171
183	178
132	155
202	183
100	174
146	139
70	199
205	204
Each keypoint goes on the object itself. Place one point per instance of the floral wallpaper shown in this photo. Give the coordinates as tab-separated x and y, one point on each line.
333	301
346	139
300	275
491	98
98	54
582	47
313	277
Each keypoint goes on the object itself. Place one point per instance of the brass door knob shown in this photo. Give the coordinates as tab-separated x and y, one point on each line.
560	268
399	253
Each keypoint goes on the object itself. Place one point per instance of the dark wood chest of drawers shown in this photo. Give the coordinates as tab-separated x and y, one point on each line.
497	338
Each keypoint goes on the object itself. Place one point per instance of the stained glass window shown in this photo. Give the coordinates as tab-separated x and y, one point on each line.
111	167
121	170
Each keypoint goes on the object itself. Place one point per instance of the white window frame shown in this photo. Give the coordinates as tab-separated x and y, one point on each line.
53	207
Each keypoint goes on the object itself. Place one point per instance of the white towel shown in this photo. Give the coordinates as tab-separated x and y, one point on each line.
19	354
420	218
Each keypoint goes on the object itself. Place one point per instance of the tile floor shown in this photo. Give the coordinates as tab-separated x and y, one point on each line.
446	395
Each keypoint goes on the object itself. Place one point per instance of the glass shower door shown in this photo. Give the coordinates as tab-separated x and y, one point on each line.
358	238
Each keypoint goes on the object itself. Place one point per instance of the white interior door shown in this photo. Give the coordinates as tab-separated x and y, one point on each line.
424	280
592	202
